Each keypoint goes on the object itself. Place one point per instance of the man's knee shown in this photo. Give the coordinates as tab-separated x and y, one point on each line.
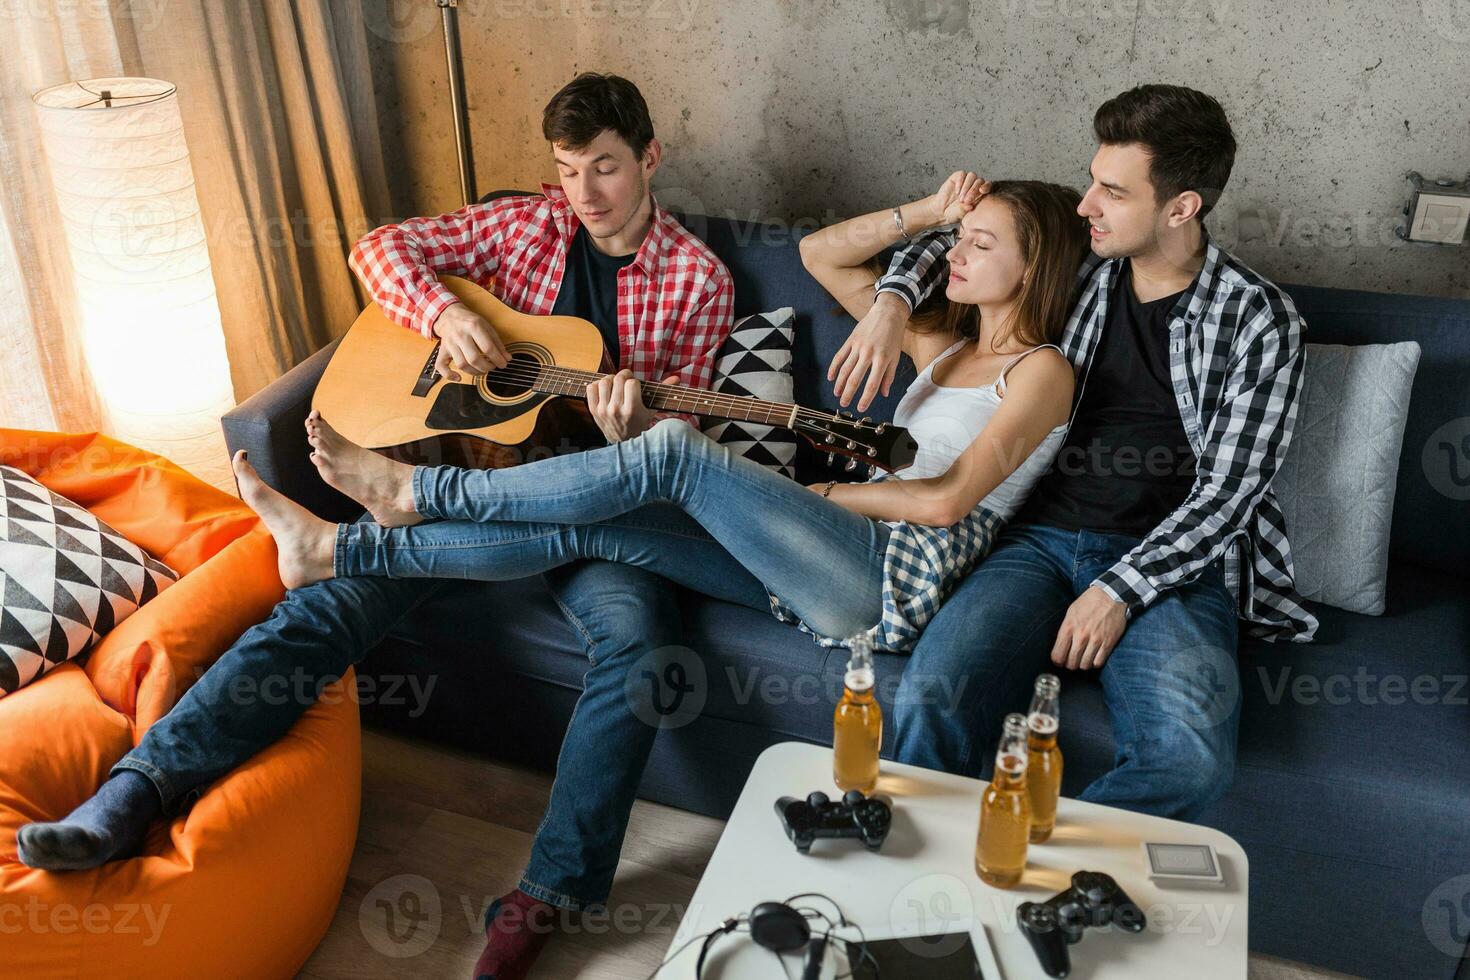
1196	769
669	432
341	619
617	609
946	703
934	728
976	660
674	440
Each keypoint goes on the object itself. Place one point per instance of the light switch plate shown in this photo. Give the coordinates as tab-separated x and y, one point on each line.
1439	218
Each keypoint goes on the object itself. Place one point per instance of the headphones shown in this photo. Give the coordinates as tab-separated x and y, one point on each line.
782	928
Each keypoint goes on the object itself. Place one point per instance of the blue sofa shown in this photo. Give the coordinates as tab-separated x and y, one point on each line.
1352	813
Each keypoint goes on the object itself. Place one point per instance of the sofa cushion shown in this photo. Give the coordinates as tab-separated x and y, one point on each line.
66	578
1336	485
755	362
1431	521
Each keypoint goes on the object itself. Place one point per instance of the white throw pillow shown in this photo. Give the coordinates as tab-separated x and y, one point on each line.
1336	485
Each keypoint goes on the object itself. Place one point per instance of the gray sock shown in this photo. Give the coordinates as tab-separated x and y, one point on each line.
110	825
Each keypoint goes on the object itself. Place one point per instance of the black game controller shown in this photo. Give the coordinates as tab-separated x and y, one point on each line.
1093	900
817	816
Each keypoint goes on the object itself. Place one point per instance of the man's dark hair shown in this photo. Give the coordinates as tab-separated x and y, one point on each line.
1188	138
592	102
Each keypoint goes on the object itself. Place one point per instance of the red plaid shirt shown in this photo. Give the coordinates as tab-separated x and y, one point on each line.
676	301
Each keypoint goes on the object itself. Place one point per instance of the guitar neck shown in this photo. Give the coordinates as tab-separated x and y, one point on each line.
879	446
675	398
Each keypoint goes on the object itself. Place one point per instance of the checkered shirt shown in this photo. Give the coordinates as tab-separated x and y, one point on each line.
676	300
1236	346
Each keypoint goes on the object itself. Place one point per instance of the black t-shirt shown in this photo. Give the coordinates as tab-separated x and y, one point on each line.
589	289
1126	463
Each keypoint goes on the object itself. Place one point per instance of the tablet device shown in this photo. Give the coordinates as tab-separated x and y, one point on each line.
942	956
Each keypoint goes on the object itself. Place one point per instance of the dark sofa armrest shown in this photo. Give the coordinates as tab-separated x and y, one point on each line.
268	426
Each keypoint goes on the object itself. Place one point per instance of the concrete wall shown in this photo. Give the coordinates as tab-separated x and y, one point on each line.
819	109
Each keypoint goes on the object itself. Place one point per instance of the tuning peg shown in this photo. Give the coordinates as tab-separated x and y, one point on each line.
830	458
830	438
866	420
872	471
850	465
872	451
851	444
881	427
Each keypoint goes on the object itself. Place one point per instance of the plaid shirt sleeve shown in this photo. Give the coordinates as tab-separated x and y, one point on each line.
1243	446
918	268
400	263
699	343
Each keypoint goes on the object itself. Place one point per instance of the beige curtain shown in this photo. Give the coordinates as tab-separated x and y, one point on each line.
279	114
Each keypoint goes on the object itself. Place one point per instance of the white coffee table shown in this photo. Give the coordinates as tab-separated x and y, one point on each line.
923	880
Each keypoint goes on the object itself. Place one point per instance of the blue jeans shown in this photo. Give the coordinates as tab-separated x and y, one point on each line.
736	529
626	617
275	671
1171	685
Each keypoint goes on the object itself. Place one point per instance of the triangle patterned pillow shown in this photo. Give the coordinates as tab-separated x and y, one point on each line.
755	360
66	579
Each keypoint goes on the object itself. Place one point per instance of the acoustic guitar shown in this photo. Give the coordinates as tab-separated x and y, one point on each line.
381	391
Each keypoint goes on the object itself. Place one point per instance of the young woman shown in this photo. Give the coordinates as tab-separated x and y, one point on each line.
988	410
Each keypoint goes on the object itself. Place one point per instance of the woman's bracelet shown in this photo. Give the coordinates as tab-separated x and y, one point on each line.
898	220
828	488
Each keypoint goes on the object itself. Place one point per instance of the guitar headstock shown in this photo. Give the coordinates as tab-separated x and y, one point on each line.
879	445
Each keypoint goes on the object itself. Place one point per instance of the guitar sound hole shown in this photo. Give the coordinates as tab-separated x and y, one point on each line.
515	378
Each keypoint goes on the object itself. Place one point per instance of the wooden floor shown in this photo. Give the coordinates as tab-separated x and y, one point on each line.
444	832
462	825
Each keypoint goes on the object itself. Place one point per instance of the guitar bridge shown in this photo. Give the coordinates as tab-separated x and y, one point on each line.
427	376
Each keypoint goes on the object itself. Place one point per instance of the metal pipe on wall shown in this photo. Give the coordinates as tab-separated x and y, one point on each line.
457	104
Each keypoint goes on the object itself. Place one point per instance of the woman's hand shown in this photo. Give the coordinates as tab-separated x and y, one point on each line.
956	197
871	351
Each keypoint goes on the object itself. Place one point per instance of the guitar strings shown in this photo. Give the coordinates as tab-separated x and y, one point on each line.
575	381
678	396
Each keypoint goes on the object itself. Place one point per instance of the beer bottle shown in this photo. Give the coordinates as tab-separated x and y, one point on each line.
1005	811
857	724
1043	758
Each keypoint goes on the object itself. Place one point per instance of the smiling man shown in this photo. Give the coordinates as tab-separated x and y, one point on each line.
1156	528
598	247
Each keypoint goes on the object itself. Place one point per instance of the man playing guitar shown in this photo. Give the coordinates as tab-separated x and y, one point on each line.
600	248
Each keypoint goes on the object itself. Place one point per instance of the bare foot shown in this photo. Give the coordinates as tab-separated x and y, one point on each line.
304	542
383	486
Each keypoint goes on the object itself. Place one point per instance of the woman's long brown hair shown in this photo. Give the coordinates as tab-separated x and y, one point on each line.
1053	242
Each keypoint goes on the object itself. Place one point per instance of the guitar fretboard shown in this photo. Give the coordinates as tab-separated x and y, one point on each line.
660	397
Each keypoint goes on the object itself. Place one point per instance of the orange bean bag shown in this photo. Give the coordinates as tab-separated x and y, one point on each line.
246	882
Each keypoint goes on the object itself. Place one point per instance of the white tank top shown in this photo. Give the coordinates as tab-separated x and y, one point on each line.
944	421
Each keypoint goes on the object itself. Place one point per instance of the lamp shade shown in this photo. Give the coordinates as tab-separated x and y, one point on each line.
150	318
